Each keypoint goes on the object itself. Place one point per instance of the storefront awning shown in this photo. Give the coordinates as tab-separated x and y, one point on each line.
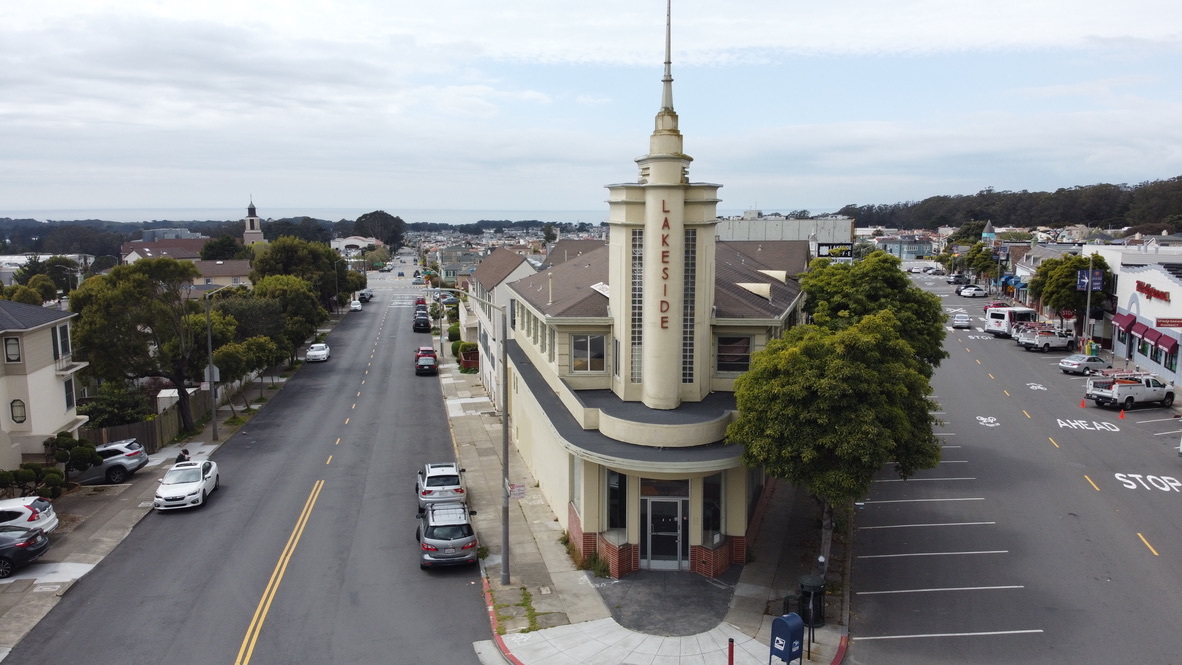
1139	329
1123	321
1167	344
1151	335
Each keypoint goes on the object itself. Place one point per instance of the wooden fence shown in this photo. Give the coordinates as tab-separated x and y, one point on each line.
152	434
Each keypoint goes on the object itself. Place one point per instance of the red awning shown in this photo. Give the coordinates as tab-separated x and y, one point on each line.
1139	329
1167	344
1151	335
1123	321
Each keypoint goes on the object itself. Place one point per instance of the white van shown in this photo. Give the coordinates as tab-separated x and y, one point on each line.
1000	321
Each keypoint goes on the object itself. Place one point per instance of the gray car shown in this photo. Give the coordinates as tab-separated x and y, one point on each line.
121	459
446	536
439	483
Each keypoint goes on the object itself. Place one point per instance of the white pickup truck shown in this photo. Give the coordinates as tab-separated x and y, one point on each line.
1128	389
1044	339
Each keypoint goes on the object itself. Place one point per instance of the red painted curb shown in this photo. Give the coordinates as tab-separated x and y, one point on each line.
840	655
492	619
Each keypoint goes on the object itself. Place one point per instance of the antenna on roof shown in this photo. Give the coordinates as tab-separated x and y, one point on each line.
667	87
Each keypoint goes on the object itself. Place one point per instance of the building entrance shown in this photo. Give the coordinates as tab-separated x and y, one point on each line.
664	524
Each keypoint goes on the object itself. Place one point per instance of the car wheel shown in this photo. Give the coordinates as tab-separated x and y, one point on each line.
1129	403
217	482
116	475
1169	399
418	535
6	568
204	496
1046	348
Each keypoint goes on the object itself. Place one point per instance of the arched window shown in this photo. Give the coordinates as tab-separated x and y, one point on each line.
18	411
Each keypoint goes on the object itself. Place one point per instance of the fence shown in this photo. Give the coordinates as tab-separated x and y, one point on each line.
152	434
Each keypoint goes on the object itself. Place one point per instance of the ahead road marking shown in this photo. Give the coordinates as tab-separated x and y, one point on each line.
264	606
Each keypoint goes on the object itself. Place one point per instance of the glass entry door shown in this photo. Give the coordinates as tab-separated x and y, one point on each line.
664	543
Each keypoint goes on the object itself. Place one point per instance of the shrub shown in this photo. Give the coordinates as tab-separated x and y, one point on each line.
455	347
453	332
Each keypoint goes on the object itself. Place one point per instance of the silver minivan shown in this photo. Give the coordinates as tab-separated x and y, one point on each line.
446	536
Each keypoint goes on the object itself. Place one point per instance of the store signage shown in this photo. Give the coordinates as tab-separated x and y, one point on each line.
664	304
1168	323
1151	293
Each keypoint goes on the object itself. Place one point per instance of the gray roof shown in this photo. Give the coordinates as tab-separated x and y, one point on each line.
565	250
17	316
565	289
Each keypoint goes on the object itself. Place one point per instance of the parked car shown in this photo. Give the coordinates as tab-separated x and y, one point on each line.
957	279
28	512
426	365
421	300
417	281
972	291
422	324
445	535
1078	363
449	300
355	306
440	482
996	303
424	351
187	484
962	321
386	268
20	546
121	459
401	274
317	353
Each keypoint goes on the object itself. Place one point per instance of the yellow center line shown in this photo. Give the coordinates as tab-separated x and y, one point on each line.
1148	545
968	350
1091	483
358	394
354	405
338	441
329	460
264	606
346	421
978	361
1053	441
1006	392
990	375
1027	414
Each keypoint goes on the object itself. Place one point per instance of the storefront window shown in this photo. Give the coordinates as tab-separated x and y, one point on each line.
1172	362
616	495
712	520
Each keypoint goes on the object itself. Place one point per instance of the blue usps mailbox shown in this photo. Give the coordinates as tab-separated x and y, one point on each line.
787	638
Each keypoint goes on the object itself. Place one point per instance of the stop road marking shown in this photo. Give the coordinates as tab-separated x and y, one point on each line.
1135	480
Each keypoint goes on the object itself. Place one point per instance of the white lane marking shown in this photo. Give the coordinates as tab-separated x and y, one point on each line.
926	635
974	498
960	588
908	526
900	556
913	480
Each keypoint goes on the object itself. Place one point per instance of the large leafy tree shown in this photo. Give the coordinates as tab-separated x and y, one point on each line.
254	315
302	312
828	409
1054	286
223	248
839	295
139	321
316	263
382	225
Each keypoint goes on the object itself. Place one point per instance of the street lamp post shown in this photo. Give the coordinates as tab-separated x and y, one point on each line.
336	297
503	309
211	372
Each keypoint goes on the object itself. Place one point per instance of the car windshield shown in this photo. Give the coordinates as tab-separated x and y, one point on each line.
179	476
1076	358
443	481
317	347
449	531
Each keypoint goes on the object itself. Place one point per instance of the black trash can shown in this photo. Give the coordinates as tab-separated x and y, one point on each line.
812	600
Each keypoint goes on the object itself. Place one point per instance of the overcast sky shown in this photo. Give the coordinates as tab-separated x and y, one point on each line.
537	104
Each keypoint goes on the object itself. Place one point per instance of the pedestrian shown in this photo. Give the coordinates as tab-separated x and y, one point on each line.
184	456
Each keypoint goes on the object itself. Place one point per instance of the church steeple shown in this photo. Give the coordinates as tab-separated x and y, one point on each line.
666	139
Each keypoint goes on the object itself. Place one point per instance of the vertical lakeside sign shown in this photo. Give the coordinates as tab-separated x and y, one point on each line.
664	303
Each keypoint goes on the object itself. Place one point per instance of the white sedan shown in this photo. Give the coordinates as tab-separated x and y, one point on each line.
317	353
972	291
187	484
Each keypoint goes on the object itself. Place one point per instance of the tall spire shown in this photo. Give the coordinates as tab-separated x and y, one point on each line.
667	82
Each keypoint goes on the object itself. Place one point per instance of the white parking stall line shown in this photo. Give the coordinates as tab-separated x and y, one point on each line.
945	433
916	480
912	526
991	633
1174	432
912	554
961	588
974	498
1157	420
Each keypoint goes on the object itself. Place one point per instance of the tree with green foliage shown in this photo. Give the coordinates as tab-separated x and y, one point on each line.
33	266
44	286
264	354
968	233
1054	287
137	322
32	479
224	248
254	315
116	403
828	409
382	225
73	454
234	363
64	272
839	295
549	235
301	309
23	294
316	263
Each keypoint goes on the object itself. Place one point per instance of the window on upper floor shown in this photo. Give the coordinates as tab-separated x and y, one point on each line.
17	408
69	385
587	353
60	336
734	354
12	349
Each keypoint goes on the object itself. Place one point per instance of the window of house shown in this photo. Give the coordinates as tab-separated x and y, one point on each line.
616	513
553	343
63	333
712	518
17	408
1155	353
616	358
235	280
586	353
734	354
69	394
12	349
209	280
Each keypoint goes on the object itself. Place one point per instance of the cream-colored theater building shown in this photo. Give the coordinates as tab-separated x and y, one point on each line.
622	364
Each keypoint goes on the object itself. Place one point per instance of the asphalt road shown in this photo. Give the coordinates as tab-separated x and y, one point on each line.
1048	534
307	552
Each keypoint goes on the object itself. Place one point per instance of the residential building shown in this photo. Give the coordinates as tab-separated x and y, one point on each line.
36	380
230	272
489	283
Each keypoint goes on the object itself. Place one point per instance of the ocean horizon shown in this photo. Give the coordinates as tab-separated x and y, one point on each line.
410	216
